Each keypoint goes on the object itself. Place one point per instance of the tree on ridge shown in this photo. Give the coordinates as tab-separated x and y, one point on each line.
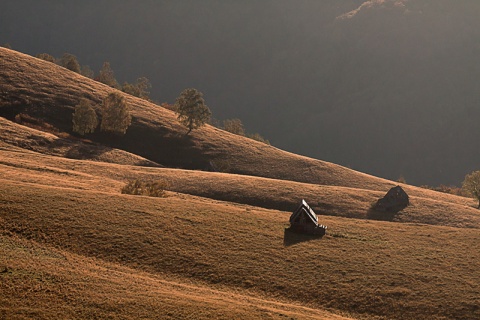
471	185
191	109
107	76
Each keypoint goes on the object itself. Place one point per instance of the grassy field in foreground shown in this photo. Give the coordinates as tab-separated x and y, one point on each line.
365	268
47	283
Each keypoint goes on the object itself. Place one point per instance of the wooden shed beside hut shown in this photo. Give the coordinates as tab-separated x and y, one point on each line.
304	220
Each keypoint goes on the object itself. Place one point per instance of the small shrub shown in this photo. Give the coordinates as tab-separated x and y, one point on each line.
146	188
156	188
134	187
215	123
70	62
451	190
234	126
258	137
46	57
401	179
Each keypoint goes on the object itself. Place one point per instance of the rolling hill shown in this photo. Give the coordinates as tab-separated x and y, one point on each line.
73	246
49	93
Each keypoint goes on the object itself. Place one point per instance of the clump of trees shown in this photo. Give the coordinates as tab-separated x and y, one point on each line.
190	106
85	118
191	109
115	116
146	188
471	185
106	75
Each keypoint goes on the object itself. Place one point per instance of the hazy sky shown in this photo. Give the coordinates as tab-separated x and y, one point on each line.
385	87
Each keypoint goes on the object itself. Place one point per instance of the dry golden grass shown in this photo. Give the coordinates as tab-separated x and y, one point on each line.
46	283
427	206
74	247
365	268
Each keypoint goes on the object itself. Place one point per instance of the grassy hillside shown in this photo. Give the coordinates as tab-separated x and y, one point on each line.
361	267
73	246
48	92
63	285
426	206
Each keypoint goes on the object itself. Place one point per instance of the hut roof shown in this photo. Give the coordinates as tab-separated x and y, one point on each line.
397	193
304	208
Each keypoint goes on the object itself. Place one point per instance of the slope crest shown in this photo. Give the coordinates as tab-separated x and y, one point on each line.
49	92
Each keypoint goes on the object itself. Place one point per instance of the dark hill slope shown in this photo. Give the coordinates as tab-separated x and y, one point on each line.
426	206
48	92
31	139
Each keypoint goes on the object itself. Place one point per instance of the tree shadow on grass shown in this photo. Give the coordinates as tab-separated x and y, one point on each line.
290	237
159	144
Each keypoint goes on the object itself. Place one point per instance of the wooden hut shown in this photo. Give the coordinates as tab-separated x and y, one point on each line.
304	220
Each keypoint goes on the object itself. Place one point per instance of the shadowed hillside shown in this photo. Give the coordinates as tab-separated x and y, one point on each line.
70	147
48	92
